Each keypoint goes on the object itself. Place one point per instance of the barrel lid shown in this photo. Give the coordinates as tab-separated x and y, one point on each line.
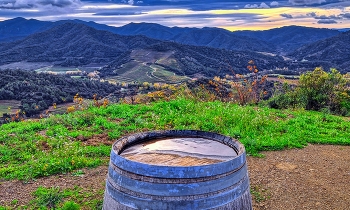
179	151
162	171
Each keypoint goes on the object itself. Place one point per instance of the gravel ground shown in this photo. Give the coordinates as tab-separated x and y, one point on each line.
316	177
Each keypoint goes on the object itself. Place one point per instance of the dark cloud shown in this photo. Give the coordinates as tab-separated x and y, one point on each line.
116	13
286	15
19	4
316	2
327	21
345	15
202	5
329	17
306	2
324	17
312	14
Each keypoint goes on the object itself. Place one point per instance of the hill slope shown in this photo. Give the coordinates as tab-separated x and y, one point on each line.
19	28
68	41
289	38
335	50
73	44
279	40
210	37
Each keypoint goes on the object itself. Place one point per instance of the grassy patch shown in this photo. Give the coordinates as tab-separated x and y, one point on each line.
54	145
62	199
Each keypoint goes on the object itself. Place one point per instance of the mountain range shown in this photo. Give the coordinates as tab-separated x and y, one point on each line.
75	44
279	40
184	51
335	50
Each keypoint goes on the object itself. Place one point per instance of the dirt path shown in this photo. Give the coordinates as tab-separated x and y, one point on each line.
316	177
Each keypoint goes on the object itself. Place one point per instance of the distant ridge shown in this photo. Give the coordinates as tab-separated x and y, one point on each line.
289	38
71	40
75	44
335	50
205	51
19	28
279	40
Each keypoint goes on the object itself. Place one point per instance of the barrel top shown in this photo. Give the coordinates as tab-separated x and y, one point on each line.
179	151
179	170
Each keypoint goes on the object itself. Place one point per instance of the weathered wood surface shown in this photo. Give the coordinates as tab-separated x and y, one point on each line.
134	185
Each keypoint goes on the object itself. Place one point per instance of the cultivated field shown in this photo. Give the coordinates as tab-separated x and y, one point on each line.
147	67
9	106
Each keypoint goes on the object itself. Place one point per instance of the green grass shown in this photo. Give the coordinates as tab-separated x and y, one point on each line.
38	148
49	146
61	199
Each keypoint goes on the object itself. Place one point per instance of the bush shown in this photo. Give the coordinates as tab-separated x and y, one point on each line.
317	90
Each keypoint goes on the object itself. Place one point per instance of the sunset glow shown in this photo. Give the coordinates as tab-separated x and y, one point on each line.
238	16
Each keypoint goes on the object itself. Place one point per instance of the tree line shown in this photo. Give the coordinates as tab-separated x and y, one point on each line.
38	91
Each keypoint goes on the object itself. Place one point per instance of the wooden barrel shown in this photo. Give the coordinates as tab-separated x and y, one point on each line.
189	181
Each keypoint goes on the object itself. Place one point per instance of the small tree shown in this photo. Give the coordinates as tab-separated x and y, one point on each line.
319	90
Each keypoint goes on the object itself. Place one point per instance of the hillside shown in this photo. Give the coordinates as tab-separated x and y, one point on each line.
19	28
335	50
73	44
289	38
210	37
279	40
152	30
71	40
37	91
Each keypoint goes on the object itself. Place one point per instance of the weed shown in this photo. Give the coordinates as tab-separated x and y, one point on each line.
78	173
47	197
70	205
259	193
14	202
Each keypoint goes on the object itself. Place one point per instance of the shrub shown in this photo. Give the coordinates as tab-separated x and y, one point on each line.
318	90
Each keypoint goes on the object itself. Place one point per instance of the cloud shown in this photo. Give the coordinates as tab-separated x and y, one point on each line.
274	4
312	14
330	17
306	2
346	15
327	21
263	5
286	15
19	4
324	17
131	2
117	13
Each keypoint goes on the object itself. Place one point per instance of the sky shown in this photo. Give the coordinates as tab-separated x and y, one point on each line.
229	14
